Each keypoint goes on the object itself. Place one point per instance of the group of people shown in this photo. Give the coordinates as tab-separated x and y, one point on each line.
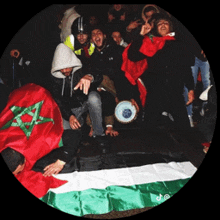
98	65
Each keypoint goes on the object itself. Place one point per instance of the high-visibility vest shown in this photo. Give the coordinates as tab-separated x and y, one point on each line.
69	42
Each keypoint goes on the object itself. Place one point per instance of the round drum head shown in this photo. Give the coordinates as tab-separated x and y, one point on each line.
125	112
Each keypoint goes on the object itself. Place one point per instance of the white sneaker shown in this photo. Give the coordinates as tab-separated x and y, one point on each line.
191	121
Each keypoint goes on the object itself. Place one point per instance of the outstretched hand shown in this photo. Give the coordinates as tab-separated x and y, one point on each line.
84	84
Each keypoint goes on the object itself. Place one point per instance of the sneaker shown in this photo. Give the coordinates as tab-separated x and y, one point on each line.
191	121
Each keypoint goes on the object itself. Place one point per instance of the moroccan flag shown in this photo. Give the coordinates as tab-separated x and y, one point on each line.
119	182
31	124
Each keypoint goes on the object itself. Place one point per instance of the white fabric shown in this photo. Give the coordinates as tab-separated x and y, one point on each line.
78	181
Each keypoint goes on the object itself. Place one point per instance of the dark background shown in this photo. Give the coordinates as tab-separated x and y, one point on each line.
35	29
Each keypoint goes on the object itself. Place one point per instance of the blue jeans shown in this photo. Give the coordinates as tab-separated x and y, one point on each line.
94	105
205	74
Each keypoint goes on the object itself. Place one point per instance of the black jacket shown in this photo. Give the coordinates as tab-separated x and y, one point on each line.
169	68
108	62
167	73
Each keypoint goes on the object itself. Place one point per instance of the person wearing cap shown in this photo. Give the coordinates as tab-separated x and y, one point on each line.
78	41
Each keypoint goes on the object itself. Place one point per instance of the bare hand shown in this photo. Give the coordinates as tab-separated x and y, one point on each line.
54	168
84	84
191	97
74	123
146	28
122	17
202	52
111	131
133	25
110	17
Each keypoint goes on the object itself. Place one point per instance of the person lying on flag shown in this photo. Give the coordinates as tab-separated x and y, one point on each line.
30	132
59	160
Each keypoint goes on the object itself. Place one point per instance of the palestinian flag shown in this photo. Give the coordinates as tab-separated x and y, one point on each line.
119	182
31	124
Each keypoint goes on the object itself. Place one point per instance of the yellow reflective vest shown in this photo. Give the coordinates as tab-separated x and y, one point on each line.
69	42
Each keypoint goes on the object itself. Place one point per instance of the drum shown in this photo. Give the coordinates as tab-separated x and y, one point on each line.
125	112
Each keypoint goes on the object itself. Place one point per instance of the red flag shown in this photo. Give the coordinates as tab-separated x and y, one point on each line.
133	70
31	124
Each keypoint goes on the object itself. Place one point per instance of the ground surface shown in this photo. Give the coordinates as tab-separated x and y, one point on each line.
158	141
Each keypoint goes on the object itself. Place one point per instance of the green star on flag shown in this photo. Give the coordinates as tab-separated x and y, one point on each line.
26	126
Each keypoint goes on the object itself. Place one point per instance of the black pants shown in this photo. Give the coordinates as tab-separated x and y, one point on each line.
108	103
158	102
67	153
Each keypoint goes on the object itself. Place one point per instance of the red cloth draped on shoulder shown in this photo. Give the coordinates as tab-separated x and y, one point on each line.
31	124
133	70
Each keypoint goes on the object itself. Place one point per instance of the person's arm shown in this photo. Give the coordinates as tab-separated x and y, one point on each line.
84	84
54	162
189	83
188	61
54	168
133	52
191	97
84	80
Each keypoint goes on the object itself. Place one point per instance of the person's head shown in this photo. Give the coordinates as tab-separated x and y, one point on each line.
162	25
116	35
149	11
14	160
66	71
98	37
93	20
80	29
82	38
117	7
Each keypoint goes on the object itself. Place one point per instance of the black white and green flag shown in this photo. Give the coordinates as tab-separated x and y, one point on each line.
120	182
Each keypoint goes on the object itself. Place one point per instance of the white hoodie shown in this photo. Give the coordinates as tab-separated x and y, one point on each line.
64	58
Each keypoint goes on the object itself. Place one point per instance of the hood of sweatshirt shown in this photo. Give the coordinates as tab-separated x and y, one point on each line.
64	58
